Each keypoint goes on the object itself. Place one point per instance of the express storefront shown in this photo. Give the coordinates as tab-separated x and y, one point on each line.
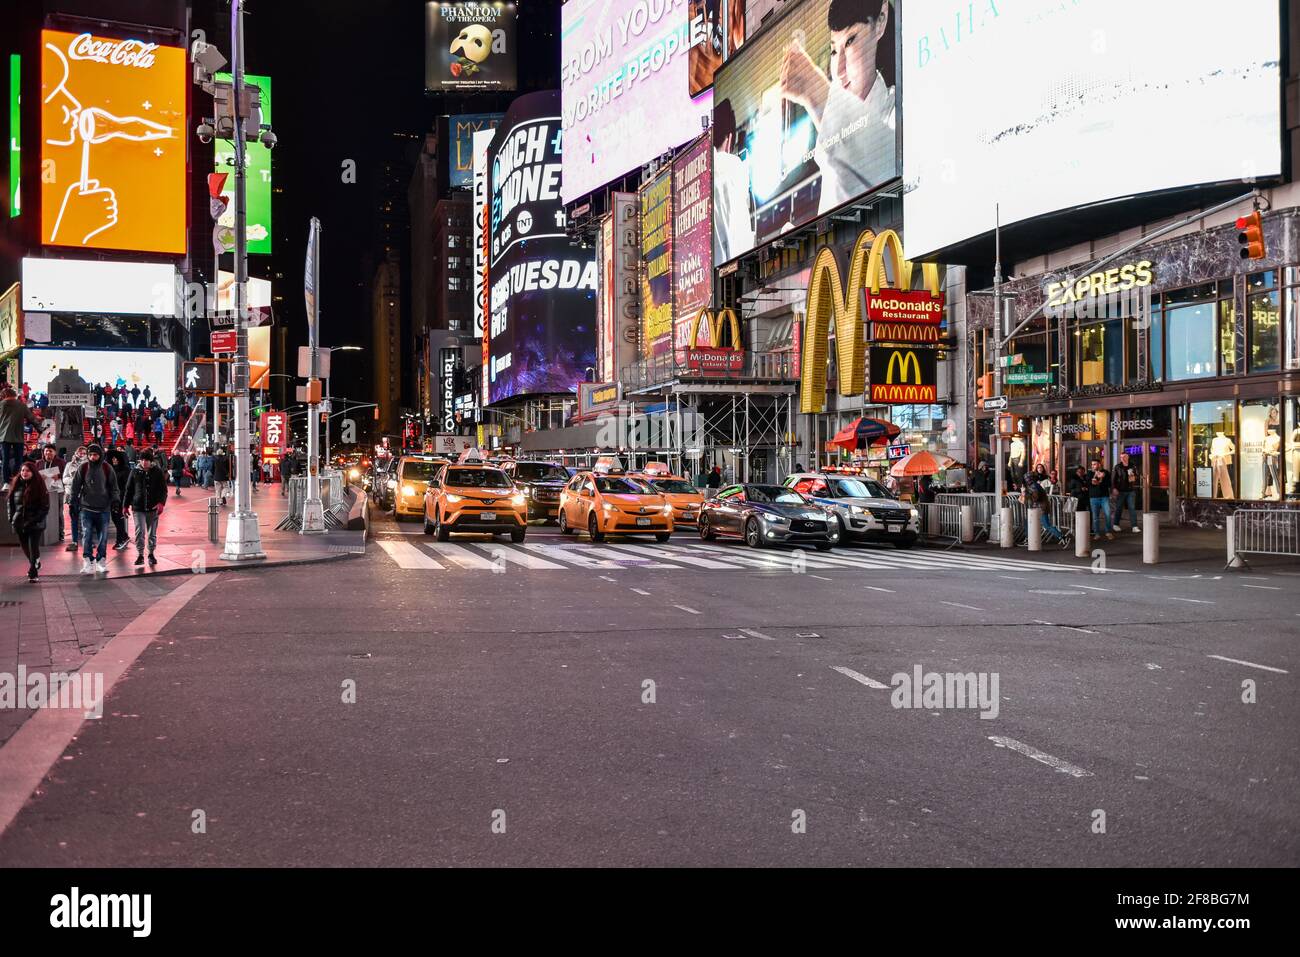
1180	357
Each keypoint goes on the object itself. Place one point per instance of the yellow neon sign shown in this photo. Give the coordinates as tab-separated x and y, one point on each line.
713	321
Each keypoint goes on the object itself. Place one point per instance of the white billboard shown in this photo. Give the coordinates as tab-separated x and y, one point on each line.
1037	106
625	87
127	367
108	287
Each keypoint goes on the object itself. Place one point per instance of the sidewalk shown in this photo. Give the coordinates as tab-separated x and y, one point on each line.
183	542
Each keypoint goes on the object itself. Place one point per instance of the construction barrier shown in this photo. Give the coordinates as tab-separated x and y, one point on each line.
1262	531
940	522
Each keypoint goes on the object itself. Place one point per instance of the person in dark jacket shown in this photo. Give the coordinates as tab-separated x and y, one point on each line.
288	466
981	480
1125	484
29	503
1078	487
95	489
177	466
715	477
1099	503
222	472
145	496
116	460
14	416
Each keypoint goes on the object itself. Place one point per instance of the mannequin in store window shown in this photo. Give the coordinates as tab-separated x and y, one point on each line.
1293	462
1222	451
1272	465
1016	460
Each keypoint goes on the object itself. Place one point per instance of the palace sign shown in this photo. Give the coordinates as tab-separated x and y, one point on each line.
871	263
903	376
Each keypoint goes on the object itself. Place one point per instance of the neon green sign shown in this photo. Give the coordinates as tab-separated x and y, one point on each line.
257	159
15	133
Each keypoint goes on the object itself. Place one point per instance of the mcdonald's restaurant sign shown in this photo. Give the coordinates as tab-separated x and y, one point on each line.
906	332
715	358
876	264
903	376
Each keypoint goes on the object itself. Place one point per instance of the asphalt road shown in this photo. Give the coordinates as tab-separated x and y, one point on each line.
503	715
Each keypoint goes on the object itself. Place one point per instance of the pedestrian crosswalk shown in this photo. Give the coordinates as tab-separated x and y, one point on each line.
579	555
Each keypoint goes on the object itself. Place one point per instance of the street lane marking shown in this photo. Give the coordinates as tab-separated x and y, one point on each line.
687	609
518	556
957	604
673	553
888	591
1250	664
570	554
407	555
860	678
1198	601
1064	767
1015	578
822	578
609	552
461	556
1268	587
28	756
640	591
1092	587
608	579
757	634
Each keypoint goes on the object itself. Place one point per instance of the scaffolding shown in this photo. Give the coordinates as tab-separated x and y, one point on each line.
752	429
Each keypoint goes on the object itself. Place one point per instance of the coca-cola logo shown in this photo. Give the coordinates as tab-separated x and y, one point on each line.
134	53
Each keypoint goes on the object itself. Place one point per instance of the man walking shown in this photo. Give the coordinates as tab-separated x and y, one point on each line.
177	465
1124	481
74	512
145	497
95	489
221	473
288	465
14	415
122	470
1099	500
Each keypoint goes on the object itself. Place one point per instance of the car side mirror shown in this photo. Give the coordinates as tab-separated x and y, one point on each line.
434	483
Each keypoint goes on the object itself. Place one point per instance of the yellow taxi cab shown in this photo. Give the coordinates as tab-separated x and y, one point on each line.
681	494
472	496
410	481
608	502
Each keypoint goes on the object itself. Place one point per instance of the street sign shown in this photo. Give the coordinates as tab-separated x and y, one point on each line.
71	398
1016	360
1029	378
198	377
223	342
995	403
322	360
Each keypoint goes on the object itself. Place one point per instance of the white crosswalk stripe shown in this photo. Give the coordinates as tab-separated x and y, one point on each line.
578	554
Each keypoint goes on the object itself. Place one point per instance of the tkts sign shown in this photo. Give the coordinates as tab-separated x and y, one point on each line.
903	376
274	427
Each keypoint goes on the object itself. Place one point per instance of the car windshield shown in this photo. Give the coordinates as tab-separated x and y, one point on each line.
540	472
675	486
419	471
477	478
859	488
621	486
773	495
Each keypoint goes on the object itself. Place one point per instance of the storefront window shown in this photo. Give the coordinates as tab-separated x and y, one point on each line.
1291	447
1227	337
1157	355
1099	353
1264	323
1261	449
1039	352
1192	318
1291	305
1212	447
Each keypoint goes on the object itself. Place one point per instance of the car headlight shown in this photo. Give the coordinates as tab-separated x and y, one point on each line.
527	492
392	483
455	498
915	513
857	510
354	473
518	499
776	519
408	489
608	507
668	509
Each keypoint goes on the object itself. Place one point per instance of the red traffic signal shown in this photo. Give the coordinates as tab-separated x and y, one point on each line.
1250	236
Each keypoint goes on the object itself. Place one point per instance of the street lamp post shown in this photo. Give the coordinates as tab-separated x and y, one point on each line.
328	394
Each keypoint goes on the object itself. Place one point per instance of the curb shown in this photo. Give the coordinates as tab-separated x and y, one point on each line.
232	566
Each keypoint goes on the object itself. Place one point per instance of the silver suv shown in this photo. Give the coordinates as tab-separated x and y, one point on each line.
863	507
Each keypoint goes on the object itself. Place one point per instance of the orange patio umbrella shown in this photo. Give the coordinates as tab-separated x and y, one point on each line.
920	463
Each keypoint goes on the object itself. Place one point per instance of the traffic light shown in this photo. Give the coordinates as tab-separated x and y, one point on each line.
376	413
1250	236
983	388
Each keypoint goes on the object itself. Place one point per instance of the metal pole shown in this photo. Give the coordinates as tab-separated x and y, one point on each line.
329	413
243	539
313	513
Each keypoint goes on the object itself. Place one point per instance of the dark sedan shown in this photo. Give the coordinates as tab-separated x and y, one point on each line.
768	515
541	483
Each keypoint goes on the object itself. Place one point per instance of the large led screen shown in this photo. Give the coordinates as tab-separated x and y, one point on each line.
157	370
625	81
804	120
543	287
113	135
460	145
1034	106
470	47
257	160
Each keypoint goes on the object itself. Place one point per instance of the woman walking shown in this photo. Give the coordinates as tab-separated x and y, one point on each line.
29	503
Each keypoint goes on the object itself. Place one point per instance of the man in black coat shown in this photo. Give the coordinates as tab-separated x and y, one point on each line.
145	497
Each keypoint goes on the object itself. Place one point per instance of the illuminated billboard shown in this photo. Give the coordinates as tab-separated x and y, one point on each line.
15	134
1087	107
624	78
113	143
127	367
460	144
657	273
469	47
100	286
543	287
692	240
804	120
722	24
257	158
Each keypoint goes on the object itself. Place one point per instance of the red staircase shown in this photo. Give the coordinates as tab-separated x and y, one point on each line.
170	434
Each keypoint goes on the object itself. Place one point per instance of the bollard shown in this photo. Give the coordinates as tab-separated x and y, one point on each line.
1150	539
1234	560
1082	531
1006	528
213	513
1035	528
967	524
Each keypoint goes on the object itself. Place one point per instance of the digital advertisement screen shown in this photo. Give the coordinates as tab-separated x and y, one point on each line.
113	136
1072	81
460	144
625	81
722	23
657	254
481	233
15	134
258	160
157	370
692	239
804	120
543	288
470	47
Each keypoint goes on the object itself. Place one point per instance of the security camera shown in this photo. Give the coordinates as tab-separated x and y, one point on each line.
268	139
210	58
205	132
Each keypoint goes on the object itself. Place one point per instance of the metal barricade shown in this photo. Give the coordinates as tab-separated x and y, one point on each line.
981	505
940	522
333	501
1061	514
1262	531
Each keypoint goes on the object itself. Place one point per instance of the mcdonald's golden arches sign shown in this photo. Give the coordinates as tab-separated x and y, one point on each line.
901	375
876	262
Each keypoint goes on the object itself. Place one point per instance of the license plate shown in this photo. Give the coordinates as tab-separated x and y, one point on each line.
894	529
488	516
643	521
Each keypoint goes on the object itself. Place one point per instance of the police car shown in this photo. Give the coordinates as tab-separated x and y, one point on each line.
865	510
